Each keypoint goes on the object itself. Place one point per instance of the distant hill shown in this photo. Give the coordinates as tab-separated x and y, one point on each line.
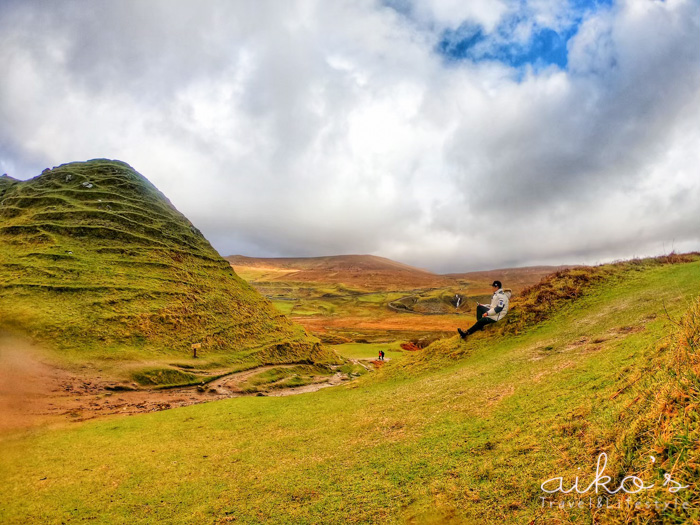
367	272
515	278
95	261
370	272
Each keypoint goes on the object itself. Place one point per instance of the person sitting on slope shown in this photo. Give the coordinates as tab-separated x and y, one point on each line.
487	314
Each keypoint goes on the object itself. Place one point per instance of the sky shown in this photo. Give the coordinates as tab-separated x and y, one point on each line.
450	135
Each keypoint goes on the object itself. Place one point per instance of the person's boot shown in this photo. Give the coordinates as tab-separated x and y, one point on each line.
462	333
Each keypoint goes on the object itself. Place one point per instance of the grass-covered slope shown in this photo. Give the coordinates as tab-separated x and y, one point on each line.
468	442
96	262
539	301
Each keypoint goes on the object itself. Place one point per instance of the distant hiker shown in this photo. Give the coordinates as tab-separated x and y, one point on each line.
381	355
487	314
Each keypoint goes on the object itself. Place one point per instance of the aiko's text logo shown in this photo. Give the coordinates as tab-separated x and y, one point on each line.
629	485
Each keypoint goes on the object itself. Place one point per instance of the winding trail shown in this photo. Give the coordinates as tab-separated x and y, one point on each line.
34	392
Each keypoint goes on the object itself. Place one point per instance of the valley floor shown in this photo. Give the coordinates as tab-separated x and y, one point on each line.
36	392
460	432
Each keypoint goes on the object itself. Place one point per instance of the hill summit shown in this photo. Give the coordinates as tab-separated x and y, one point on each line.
98	263
368	272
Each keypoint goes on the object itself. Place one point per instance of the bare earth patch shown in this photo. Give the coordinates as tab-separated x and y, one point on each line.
34	391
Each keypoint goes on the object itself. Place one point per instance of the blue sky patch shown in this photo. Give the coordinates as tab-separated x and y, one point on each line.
545	47
460	43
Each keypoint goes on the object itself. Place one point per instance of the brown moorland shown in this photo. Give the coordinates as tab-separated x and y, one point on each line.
373	273
516	279
356	296
363	272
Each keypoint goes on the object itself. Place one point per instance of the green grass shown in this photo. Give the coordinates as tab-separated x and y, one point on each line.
285	307
98	264
665	425
287	377
292	299
461	432
164	377
369	350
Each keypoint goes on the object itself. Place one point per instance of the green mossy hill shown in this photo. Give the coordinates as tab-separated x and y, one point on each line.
6	181
97	262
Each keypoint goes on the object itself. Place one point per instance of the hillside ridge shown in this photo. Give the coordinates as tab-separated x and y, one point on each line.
361	271
378	273
96	261
327	262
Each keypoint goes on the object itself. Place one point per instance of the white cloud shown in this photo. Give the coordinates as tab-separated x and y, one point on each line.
450	13
310	128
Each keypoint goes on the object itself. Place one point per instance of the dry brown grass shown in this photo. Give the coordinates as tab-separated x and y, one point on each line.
669	431
359	272
538	302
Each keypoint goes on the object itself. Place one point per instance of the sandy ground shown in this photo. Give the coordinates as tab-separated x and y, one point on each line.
26	384
34	391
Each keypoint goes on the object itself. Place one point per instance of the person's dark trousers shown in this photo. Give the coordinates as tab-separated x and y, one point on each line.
481	321
480	311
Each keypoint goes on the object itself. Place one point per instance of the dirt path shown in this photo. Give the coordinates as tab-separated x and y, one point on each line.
26	383
227	386
33	391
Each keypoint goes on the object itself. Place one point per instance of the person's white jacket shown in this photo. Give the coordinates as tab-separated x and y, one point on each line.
499	305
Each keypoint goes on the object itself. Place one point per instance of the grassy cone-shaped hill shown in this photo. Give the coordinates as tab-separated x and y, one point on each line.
97	263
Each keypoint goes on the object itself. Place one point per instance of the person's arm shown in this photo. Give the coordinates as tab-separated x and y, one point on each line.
497	304
502	306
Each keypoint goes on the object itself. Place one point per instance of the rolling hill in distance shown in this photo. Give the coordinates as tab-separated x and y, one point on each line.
370	272
365	298
363	272
515	278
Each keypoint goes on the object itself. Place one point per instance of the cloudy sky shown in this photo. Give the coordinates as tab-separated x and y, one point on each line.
449	134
